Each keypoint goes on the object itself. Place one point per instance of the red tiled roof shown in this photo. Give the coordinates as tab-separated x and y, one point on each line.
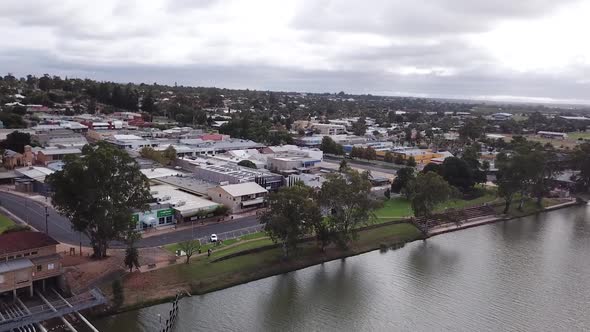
18	241
212	137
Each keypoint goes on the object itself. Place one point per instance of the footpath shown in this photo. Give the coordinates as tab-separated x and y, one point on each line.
182	259
450	227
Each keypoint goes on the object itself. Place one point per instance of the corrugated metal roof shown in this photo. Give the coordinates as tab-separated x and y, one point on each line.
241	189
14	265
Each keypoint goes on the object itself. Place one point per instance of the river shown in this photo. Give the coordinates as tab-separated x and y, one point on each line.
528	274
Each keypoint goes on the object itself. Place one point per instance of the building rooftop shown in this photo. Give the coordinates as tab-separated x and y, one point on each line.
185	203
580	118
187	183
13	265
19	241
34	172
414	152
235	170
551	133
57	151
154	173
123	137
241	189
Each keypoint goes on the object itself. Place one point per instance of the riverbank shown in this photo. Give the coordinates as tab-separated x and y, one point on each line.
207	274
525	274
259	259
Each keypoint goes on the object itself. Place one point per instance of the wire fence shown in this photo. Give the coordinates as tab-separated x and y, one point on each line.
233	234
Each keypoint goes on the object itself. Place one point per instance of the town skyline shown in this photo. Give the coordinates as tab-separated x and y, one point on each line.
525	52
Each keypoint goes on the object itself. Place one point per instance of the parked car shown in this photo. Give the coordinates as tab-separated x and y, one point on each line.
213	238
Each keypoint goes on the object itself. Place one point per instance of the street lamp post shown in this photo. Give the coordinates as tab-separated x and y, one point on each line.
46	221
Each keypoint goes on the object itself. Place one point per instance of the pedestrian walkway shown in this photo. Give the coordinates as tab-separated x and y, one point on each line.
182	259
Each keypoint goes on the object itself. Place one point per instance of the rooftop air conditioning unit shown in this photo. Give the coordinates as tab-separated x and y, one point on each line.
181	203
166	198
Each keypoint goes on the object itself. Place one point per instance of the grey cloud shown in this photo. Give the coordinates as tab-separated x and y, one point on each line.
180	5
464	85
453	53
415	18
421	34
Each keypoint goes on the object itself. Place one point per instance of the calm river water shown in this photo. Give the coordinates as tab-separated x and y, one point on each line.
530	274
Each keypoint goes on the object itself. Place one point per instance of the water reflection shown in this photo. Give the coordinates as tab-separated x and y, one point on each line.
524	274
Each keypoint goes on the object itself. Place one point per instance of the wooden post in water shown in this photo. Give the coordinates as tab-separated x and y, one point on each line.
172	315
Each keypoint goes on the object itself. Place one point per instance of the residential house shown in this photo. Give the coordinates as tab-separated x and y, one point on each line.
12	159
28	259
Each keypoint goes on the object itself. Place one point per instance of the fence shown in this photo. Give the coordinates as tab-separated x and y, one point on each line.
234	234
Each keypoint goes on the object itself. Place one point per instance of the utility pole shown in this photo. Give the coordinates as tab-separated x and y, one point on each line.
26	211
46	221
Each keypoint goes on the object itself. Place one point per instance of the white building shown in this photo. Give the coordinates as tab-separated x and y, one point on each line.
239	197
186	206
328	128
552	134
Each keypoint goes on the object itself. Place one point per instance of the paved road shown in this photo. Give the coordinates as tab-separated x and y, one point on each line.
375	168
33	213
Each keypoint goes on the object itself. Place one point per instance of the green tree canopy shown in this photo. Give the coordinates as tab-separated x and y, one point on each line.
388	158
359	127
16	141
458	173
292	213
189	247
428	190
329	146
347	198
98	191
581	158
472	129
247	163
403	178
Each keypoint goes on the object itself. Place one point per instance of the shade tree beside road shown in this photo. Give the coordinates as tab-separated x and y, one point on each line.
97	193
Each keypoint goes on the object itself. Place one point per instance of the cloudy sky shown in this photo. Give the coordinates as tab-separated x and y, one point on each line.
534	50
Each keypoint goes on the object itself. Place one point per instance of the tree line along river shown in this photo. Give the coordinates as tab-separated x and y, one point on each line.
528	274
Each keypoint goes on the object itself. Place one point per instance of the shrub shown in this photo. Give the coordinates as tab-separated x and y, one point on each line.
221	210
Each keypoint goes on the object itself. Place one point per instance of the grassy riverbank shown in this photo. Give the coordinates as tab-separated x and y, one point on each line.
400	207
204	275
219	245
529	207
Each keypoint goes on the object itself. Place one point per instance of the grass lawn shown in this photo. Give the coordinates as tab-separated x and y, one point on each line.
528	207
5	223
253	236
203	275
579	134
395	208
400	207
174	246
462	203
